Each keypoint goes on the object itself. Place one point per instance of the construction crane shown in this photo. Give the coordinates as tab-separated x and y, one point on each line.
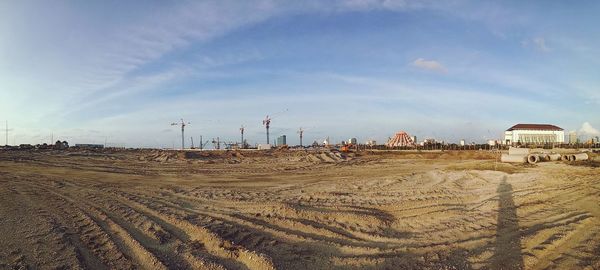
216	143
242	131
301	132
267	121
6	132
183	124
202	143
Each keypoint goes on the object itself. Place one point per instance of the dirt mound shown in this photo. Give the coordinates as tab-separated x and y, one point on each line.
162	156
324	157
249	156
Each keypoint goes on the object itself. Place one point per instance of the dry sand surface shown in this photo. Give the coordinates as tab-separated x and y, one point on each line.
294	210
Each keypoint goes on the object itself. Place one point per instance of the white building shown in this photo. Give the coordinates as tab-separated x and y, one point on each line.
534	133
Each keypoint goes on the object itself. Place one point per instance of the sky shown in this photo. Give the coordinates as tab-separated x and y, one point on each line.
122	71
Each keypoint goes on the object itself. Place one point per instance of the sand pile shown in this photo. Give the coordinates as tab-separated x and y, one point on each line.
326	157
162	156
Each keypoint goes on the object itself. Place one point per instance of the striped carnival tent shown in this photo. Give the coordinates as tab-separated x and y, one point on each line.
401	139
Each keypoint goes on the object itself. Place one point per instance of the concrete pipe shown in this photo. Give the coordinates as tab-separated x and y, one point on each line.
543	157
513	158
579	157
554	157
533	159
565	157
518	151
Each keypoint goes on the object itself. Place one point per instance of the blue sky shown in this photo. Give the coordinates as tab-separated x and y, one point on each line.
124	70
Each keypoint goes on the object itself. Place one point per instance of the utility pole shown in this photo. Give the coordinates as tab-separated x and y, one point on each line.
6	132
183	124
192	138
201	143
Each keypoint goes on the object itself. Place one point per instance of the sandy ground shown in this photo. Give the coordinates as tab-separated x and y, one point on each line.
292	210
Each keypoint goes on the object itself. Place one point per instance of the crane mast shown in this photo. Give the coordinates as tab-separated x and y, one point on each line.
301	132
183	124
267	123
242	131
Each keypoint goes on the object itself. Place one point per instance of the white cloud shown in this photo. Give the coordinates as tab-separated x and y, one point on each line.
538	43
429	65
587	129
392	4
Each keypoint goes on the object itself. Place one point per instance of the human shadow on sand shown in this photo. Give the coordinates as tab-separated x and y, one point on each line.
507	253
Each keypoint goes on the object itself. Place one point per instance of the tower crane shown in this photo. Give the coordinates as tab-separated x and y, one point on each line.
267	121
183	124
242	131
216	143
203	143
301	132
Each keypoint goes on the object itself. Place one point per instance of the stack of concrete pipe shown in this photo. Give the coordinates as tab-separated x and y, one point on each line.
575	157
526	155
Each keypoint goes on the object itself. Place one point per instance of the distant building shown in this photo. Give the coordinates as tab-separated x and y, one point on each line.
352	141
281	140
462	142
264	146
534	133
371	143
429	141
88	145
572	137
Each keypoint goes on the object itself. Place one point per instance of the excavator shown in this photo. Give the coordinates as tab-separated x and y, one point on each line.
346	148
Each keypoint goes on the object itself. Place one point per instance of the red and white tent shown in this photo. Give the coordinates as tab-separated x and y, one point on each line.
401	139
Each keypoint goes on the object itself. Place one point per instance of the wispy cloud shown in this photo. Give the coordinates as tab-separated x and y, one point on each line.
190	22
389	4
538	43
431	65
